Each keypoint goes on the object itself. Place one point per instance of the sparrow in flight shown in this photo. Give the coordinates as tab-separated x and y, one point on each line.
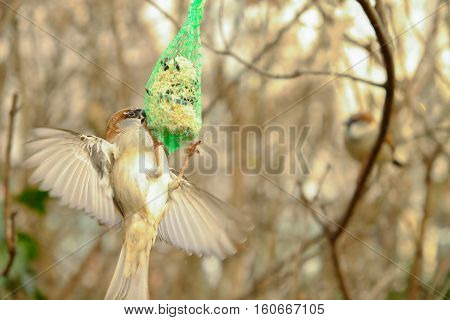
125	180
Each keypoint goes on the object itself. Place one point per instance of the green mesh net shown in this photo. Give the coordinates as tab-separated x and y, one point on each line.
173	91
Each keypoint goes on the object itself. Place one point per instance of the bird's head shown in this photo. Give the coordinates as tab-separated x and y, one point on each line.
123	120
359	124
362	118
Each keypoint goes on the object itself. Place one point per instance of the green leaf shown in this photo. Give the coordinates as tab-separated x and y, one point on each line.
39	295
34	199
27	250
28	245
396	295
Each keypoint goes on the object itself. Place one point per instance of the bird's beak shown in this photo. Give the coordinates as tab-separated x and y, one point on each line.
142	116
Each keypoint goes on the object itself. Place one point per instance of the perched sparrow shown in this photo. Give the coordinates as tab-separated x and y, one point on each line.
360	136
120	181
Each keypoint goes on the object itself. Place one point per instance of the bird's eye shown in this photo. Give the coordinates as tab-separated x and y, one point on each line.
131	114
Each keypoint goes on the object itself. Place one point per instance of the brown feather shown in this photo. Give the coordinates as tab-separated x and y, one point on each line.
365	116
112	129
388	140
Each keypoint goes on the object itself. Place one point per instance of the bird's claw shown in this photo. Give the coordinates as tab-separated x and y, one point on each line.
193	148
175	184
189	153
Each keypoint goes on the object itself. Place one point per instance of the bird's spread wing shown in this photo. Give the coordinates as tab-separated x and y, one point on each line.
198	222
75	168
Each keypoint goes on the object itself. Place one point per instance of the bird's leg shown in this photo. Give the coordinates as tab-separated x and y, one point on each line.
190	151
156	172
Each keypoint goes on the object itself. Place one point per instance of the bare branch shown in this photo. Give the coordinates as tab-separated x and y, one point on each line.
369	47
338	270
427	47
222	33
383	39
164	13
8	215
414	284
310	203
264	279
439	275
295	74
381	10
123	94
258	56
387	108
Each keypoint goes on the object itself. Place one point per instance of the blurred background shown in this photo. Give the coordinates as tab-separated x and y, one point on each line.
73	63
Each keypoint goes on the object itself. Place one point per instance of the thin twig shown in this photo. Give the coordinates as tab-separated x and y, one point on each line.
416	269
6	16
164	13
338	270
425	134
327	233
428	46
382	284
381	10
441	272
369	47
325	228
222	33
8	216
264	280
123	94
257	57
296	74
311	203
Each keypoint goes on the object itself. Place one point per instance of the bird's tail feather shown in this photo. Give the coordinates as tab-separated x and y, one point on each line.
132	286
